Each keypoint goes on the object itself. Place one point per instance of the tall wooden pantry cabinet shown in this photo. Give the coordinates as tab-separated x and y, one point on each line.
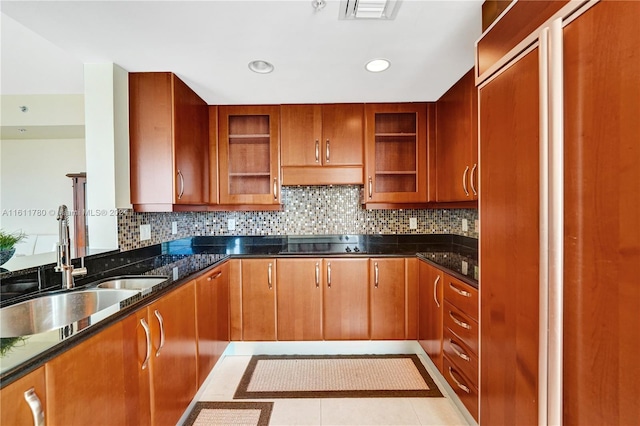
559	228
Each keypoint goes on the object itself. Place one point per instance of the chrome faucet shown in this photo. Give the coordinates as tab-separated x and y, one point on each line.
64	250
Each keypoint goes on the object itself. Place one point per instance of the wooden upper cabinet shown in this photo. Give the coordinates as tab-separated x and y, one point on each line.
457	142
249	154
168	126
15	408
387	293
322	144
396	153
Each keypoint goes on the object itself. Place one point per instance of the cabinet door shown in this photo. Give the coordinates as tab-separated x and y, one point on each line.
191	145
346	299
342	134
301	135
457	142
13	400
212	311
300	299
101	381
430	317
601	372
509	247
396	153
174	354
258	299
249	160
387	290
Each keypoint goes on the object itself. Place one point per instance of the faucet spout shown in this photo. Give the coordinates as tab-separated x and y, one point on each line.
63	263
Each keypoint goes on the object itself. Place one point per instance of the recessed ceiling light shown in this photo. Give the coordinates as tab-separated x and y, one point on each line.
260	66
377	65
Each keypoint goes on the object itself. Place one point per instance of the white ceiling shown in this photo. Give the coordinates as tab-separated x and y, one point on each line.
317	57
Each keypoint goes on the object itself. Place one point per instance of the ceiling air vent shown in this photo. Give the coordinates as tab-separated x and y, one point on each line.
369	9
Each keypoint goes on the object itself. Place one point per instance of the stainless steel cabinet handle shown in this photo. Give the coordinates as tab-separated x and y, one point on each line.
460	385
147	335
269	272
317	274
181	193
213	277
329	274
317	151
161	322
328	153
370	187
459	322
377	274
275	189
464	180
473	180
460	292
458	352
36	406
435	291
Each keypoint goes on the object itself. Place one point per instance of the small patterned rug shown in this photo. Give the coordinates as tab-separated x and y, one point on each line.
342	376
230	413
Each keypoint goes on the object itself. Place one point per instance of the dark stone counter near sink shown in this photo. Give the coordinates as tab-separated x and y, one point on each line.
184	259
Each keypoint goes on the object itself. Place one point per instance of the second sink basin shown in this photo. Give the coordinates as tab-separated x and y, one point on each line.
141	282
54	311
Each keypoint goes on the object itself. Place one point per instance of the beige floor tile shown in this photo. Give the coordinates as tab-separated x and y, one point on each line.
224	378
437	412
288	412
368	411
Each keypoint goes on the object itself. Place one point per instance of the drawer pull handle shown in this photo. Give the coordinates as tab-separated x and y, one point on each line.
317	275
328	153
460	385
462	293
459	322
328	274
213	277
370	187
317	151
458	352
161	322
181	193
147	335
435	291
473	183
35	405
377	275
464	181
275	189
269	273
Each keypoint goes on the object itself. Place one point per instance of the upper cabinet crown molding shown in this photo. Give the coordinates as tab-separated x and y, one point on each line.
322	144
168	125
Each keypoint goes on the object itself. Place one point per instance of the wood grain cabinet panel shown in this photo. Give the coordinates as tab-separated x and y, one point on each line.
14	407
300	288
249	154
457	142
212	312
322	144
101	381
346	299
396	153
173	360
259	284
169	144
387	292
431	281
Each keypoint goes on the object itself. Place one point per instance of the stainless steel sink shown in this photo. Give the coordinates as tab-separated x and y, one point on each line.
54	311
139	282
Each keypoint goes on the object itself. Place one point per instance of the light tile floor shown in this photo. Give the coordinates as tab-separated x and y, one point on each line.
224	379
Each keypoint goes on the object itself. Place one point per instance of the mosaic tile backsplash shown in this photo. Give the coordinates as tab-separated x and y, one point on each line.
307	210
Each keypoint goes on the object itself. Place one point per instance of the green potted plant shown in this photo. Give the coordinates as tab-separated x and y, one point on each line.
7	243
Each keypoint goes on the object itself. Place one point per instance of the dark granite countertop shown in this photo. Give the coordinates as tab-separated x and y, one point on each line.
182	260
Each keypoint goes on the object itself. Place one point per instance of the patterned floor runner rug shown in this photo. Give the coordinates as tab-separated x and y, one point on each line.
230	413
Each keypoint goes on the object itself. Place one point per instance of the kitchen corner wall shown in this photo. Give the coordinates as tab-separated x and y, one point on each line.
308	210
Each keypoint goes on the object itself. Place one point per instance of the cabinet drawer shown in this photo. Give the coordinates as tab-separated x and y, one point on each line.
461	295
460	355
461	325
462	386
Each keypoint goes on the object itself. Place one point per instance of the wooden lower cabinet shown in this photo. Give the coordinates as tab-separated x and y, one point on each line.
14	409
346	299
101	381
431	281
258	299
387	298
299	304
465	388
212	318
173	363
